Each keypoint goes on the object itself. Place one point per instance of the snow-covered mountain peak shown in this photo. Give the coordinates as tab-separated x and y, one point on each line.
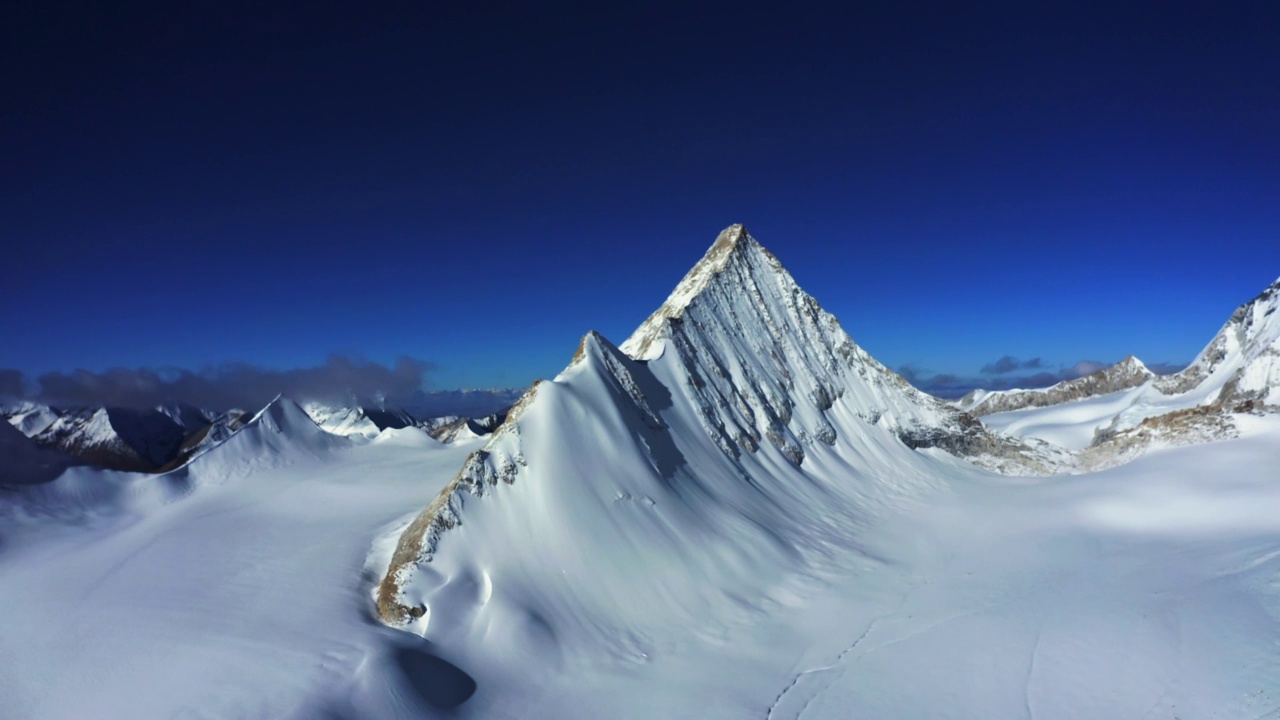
1128	373
116	438
279	433
760	358
1243	359
734	249
339	420
285	417
1131	364
715	431
29	417
25	462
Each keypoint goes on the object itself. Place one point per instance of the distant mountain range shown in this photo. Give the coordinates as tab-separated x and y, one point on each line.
1119	411
161	439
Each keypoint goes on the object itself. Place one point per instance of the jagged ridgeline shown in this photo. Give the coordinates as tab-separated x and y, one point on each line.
714	430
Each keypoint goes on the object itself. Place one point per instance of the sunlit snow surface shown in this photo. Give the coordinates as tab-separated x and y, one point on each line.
1151	590
728	527
234	589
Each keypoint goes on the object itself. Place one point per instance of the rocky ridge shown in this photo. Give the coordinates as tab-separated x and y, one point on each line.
1127	373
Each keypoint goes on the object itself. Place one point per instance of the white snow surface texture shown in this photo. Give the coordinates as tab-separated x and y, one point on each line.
716	521
348	421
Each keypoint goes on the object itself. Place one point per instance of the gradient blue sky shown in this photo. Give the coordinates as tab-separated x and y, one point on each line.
478	184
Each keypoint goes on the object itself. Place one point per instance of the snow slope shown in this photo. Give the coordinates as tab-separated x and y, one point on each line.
233	591
29	418
1144	591
347	421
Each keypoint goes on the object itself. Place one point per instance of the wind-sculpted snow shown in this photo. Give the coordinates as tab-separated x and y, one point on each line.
29	418
704	442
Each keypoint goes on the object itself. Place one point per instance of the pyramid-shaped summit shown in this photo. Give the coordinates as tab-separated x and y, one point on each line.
765	360
737	421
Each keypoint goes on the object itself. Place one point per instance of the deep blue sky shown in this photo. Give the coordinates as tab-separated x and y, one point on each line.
190	184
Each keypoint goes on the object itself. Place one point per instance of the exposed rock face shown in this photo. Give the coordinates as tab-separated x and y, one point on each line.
418	542
739	366
1128	373
1203	423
